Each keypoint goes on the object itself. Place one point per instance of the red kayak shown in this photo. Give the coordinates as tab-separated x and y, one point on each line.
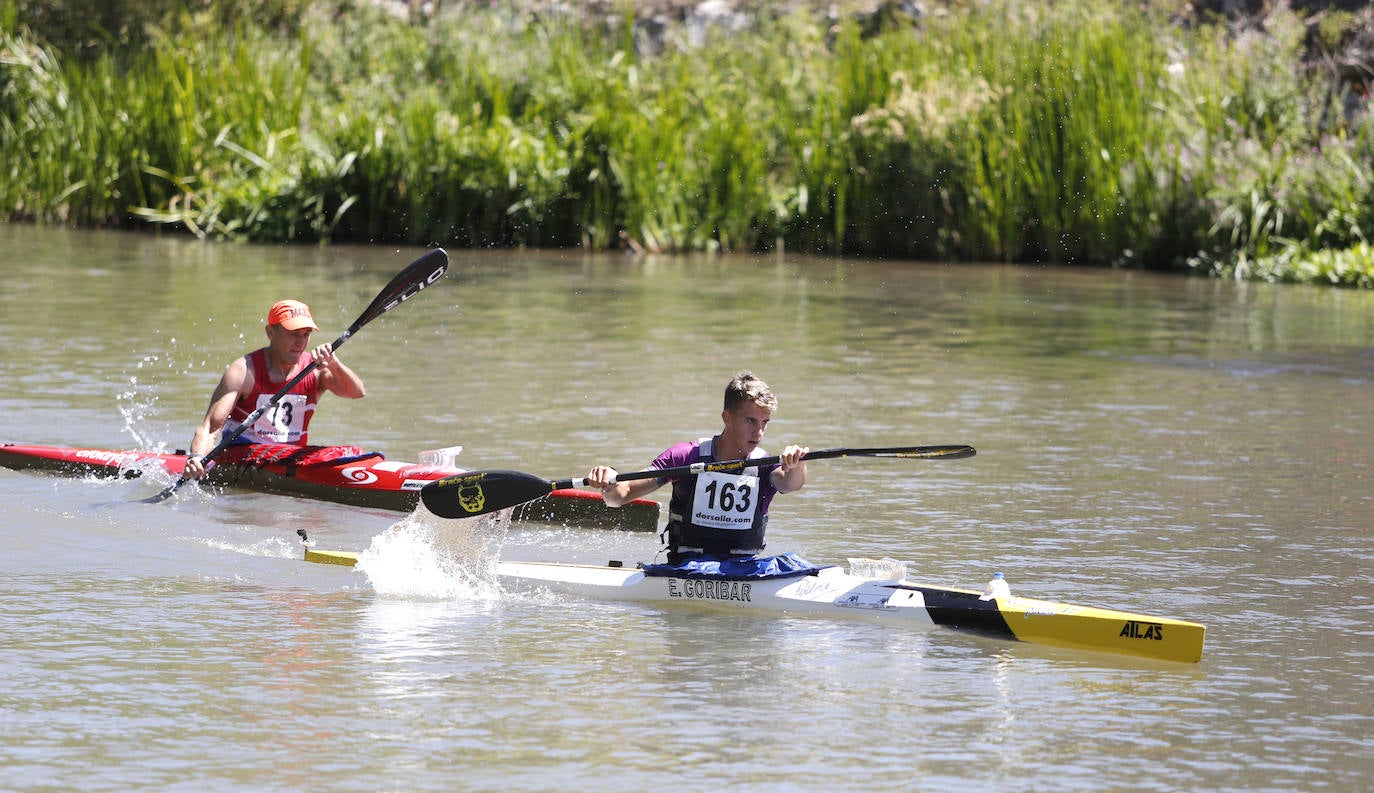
343	474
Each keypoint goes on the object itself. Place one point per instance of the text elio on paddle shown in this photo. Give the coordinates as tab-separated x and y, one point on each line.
415	288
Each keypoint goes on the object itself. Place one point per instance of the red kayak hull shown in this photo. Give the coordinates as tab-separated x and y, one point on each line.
344	475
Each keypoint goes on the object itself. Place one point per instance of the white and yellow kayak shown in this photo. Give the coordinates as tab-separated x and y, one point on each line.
836	591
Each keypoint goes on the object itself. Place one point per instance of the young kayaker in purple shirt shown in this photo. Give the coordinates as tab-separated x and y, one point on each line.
718	514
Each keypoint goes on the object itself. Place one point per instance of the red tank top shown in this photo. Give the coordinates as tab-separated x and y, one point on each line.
285	422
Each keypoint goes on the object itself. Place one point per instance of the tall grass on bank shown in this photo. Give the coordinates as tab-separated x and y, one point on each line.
1027	137
209	136
1090	133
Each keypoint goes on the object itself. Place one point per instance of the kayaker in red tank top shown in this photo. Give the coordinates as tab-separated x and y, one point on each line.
252	380
289	420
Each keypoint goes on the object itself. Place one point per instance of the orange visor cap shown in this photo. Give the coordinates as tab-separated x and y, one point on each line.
292	315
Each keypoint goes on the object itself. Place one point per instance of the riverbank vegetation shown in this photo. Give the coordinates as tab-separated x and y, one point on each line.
1094	133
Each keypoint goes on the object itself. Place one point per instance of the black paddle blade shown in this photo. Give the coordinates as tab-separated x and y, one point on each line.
408	283
480	492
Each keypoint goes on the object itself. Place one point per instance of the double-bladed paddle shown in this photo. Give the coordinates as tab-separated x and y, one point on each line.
480	492
421	273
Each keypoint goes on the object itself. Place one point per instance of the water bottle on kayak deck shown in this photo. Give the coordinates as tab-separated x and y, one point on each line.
996	588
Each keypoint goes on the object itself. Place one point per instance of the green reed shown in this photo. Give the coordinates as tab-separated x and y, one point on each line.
201	134
1086	133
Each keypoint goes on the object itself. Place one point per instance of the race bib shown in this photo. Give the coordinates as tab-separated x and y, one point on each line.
283	422
725	501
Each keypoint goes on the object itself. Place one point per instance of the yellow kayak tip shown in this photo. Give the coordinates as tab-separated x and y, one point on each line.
1088	628
342	558
345	558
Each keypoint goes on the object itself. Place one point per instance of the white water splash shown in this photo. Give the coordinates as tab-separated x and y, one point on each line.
429	558
271	547
136	403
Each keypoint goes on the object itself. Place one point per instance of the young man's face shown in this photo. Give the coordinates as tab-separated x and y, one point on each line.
745	425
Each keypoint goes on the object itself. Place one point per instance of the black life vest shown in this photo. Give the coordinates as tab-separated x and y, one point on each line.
717	513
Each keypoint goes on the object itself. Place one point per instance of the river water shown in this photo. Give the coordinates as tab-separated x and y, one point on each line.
1188	448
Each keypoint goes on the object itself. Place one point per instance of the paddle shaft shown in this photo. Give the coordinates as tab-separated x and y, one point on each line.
474	493
908	452
419	274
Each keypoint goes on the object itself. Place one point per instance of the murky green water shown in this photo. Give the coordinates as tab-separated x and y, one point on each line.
1182	447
